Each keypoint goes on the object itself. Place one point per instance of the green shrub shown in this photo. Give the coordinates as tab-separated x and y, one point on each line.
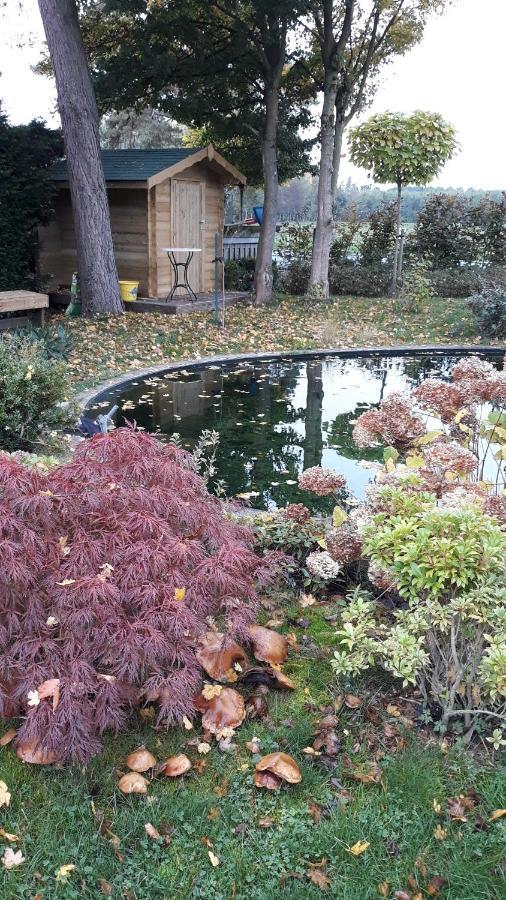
359	281
455	282
489	309
239	274
417	287
450	638
32	394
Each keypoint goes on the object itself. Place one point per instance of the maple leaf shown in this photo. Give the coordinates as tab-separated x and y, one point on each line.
319	878
12	858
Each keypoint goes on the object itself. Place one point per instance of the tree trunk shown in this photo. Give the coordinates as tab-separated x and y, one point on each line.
313	438
395	271
263	267
98	276
338	146
319	279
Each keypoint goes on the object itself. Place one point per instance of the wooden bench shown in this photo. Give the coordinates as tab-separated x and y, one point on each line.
32	304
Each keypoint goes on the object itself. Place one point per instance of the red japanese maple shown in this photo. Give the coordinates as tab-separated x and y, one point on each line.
110	568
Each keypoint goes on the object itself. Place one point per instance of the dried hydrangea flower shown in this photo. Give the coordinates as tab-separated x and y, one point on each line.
478	381
381	578
495	505
321	481
439	397
472	368
296	512
450	457
344	544
395	423
321	565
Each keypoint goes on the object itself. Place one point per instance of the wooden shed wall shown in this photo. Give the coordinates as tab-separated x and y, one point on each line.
129	223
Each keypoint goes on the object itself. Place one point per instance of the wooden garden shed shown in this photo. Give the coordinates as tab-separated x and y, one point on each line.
157	198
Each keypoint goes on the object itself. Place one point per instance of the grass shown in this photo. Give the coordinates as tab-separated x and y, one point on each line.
221	810
108	347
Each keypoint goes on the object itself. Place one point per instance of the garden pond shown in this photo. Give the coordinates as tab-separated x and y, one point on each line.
276	416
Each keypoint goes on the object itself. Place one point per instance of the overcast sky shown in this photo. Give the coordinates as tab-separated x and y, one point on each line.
458	70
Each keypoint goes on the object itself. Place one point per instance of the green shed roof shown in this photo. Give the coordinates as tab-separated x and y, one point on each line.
131	165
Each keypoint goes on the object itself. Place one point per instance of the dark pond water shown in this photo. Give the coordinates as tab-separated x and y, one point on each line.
275	418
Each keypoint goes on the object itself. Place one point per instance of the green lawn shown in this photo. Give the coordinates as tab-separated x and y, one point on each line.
220	810
108	347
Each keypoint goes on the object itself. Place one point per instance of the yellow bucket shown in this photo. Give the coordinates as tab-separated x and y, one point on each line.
128	290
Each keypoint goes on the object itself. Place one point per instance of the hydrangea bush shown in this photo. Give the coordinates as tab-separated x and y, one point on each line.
432	538
111	567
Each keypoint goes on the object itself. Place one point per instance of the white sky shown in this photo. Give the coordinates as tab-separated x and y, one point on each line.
457	70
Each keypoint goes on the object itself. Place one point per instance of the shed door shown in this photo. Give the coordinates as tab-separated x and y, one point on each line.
186	217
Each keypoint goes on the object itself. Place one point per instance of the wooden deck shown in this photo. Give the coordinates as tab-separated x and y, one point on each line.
178	306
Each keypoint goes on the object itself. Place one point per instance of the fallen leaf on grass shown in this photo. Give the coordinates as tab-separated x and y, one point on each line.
319	878
214	860
151	831
8	837
439	833
104	887
64	872
358	848
435	884
203	747
7	737
402	895
5	797
372	775
214	813
352	702
497	814
266	822
12	858
384	889
306	600
315	811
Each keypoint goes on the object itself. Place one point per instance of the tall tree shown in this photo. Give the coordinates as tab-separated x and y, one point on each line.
79	118
379	30
221	66
400	150
146	130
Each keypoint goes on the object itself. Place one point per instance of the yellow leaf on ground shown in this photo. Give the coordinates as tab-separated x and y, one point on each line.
439	833
64	872
213	858
497	814
187	724
7	836
358	848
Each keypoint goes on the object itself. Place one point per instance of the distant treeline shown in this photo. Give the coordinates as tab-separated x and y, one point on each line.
297	199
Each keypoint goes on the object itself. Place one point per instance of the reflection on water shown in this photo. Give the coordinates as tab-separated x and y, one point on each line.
275	418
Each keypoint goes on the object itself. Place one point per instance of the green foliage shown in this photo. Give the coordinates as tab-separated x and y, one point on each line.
345	235
402	149
239	274
417	288
450	639
26	196
32	395
453	230
489	309
358	281
378	240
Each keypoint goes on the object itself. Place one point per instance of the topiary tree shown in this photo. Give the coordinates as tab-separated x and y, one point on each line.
403	150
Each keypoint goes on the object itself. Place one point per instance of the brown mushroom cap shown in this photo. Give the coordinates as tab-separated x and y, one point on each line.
218	657
31	752
267	645
140	760
281	765
177	765
133	783
225	711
